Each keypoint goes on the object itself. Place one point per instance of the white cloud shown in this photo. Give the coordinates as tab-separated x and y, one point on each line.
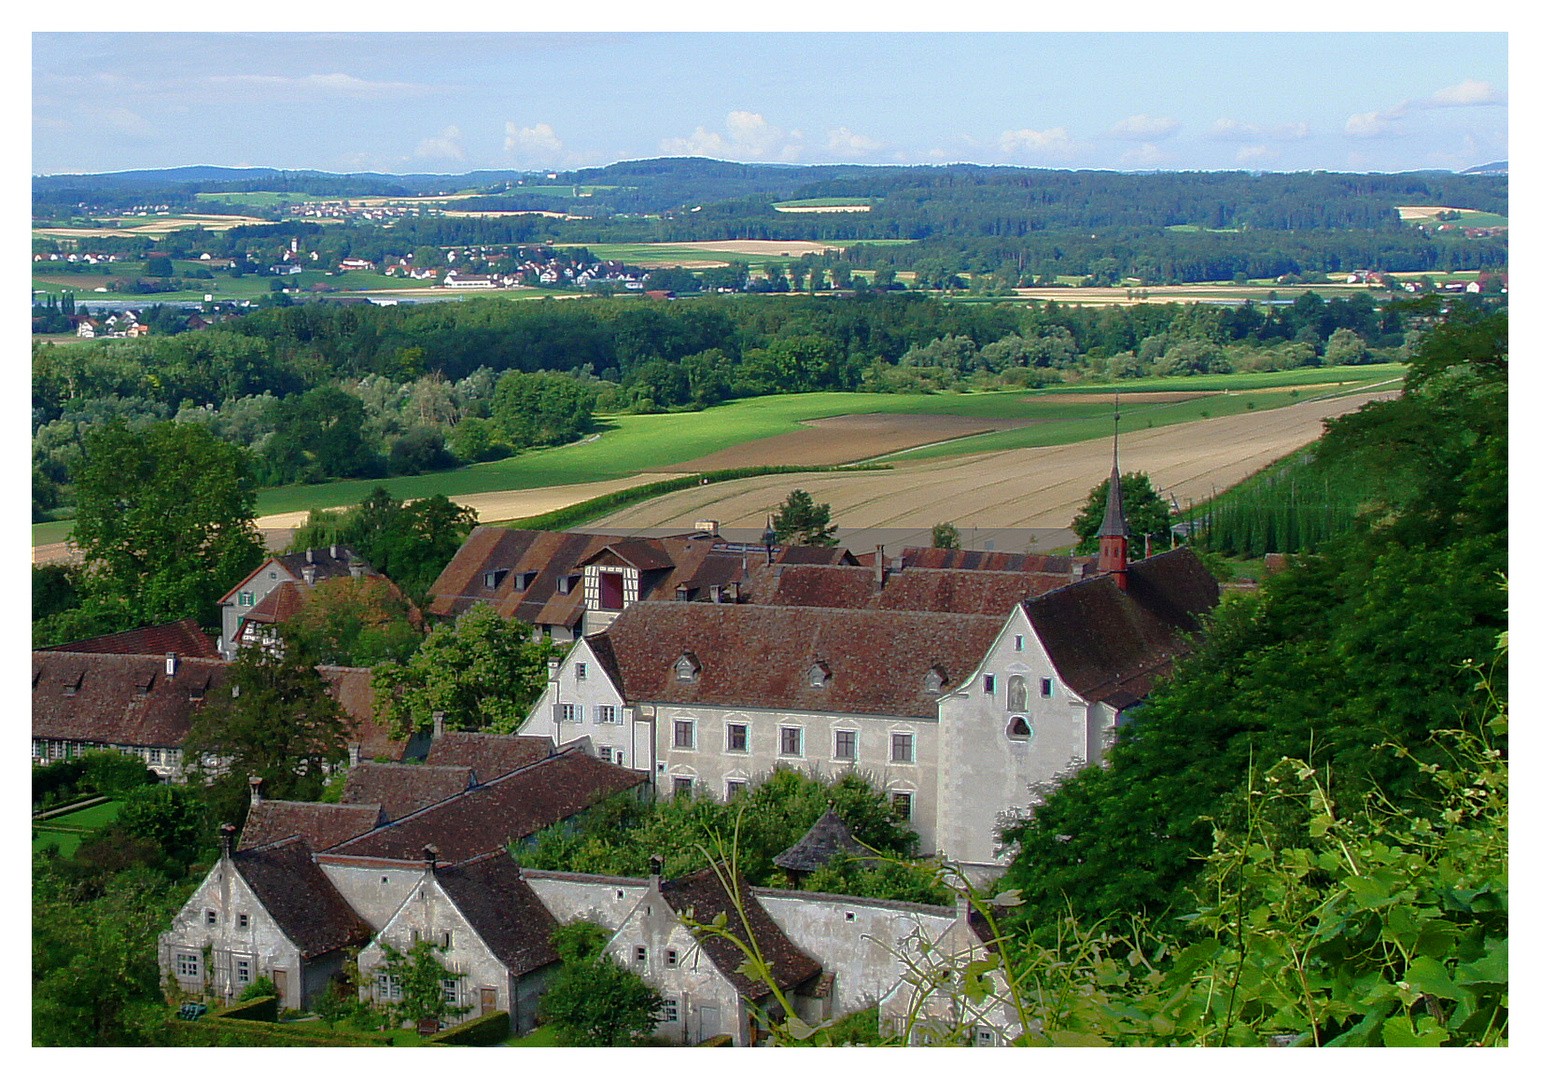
332	85
536	145
1466	92
1227	129
844	141
446	144
1144	128
1251	154
1374	125
1051	142
749	138
1145	156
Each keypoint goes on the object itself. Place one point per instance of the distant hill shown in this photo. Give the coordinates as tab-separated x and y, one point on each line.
1492	168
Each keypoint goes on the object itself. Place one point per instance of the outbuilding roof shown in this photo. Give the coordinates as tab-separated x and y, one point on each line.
300	897
502	909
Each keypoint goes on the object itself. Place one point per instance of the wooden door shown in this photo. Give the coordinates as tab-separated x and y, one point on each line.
281	987
489	1000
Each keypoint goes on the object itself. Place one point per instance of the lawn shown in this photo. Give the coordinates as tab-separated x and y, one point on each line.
68	830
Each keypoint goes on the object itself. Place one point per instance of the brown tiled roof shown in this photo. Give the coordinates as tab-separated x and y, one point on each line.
399	789
280	604
701	896
945	558
756	655
502	909
301	898
824	840
324	562
1110	645
549	555
487	818
490	755
320	825
967	592
118	700
182	637
351	687
809	555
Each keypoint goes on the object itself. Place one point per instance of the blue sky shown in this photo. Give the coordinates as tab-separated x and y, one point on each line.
452	103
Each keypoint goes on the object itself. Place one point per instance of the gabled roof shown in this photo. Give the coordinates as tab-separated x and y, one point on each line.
825	839
702	897
515	552
962	591
1110	644
300	897
327	562
280	604
182	637
759	656
490	755
320	825
400	789
124	700
489	817
502	909
942	558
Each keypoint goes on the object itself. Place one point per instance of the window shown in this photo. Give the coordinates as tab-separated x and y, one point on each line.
903	804
1019	728
570	714
155	755
1045	687
671	958
444	939
903	748
936	678
683	785
818	674
451	990
387	987
605	753
242	971
639	956
791	742
604	714
738	738
684	734
581	670
245	599
620	757
671	1011
989	684
242	920
187	965
211	917
686	668
612	592
737	788
1019	643
845	745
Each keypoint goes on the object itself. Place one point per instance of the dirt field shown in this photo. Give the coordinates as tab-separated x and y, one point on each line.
1038	488
838	440
787	248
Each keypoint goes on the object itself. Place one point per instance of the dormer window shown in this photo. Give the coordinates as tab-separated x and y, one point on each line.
142	685
525	579
818	674
686	668
493	578
565	584
936	678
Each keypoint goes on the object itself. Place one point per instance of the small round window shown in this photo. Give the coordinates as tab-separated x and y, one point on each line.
1019	728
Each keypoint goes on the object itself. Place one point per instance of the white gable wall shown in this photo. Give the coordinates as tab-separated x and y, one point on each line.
623	741
374	892
984	770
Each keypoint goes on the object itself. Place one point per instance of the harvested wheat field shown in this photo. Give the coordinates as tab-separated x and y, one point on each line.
1037	488
839	440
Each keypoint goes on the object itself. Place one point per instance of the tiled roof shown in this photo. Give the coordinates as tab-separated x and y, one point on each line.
487	818
755	655
824	840
809	555
280	604
300	897
329	562
399	789
182	637
944	558
123	700
490	755
550	555
502	909
351	687
968	592
701	896
1109	644
320	825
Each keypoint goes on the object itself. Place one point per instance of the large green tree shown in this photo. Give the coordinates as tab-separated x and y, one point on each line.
483	672
592	1000
274	718
164	519
1145	511
800	520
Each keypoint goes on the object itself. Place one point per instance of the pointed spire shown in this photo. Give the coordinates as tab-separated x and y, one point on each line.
1113	537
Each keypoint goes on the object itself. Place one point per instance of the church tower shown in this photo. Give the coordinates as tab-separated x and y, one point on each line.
1113	537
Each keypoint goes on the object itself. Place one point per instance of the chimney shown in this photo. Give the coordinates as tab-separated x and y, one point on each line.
171	663
654	871
226	839
880	565
431	857
309	573
355	568
438	724
310	555
254	785
335	555
355	753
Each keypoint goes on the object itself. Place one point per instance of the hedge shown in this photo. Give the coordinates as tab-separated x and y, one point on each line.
223	1031
261	1008
489	1029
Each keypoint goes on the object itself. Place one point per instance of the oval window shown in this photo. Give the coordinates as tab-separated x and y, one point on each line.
1019	728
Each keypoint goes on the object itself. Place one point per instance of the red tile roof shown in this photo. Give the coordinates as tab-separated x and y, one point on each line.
400	789
320	825
506	810
755	655
182	637
301	898
491	756
118	700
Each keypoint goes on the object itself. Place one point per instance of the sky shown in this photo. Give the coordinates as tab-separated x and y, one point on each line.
411	102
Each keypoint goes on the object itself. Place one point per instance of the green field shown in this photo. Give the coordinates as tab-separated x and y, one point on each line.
628	445
68	830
